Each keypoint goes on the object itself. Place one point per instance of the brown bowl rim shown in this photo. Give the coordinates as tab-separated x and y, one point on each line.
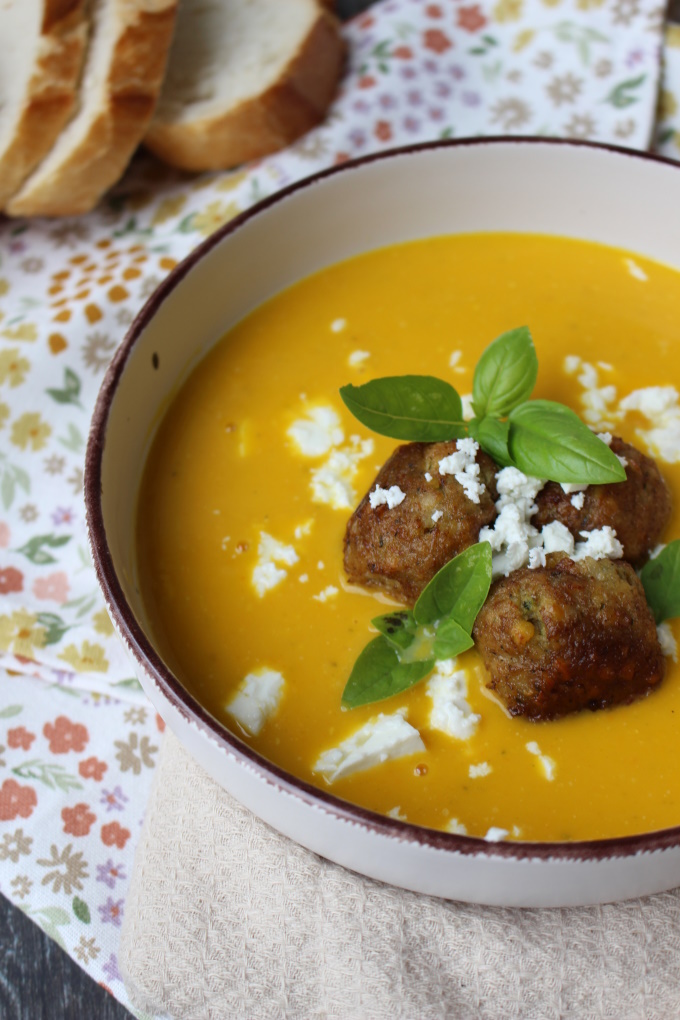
182	701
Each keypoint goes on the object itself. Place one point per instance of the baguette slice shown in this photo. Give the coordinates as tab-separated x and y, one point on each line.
42	46
245	77
124	67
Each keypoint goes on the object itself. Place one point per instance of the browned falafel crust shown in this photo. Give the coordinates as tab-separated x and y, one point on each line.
638	509
399	550
568	636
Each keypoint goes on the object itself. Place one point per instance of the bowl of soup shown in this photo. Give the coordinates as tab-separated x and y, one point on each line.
223	467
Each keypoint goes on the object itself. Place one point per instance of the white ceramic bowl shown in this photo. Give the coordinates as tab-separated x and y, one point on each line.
569	189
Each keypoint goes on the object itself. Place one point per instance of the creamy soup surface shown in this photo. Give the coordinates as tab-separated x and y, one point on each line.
224	469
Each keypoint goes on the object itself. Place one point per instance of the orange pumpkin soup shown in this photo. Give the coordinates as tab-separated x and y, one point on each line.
257	466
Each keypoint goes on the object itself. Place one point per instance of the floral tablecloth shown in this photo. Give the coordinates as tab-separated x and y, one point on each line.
78	740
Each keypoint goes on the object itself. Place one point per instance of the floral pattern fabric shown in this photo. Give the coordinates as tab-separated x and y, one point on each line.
78	740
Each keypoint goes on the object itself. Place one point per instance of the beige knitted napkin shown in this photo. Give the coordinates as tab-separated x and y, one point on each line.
228	920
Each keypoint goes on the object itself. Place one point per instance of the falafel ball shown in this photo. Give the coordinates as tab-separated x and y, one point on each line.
568	636
399	550
638	509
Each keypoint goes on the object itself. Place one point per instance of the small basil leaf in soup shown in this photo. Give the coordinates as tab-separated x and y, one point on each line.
458	590
399	627
505	374
450	640
492	436
418	408
547	440
378	674
661	581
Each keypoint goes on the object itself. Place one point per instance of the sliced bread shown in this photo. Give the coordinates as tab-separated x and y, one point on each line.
245	77
124	67
42	45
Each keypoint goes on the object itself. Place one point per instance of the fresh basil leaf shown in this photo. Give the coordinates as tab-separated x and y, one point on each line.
547	440
399	628
451	639
661	581
492	436
378	674
418	408
505	374
458	590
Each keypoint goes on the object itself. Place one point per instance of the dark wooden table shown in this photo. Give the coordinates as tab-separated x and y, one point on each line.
38	981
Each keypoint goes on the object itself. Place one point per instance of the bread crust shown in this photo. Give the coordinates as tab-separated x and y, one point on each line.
51	92
267	122
133	86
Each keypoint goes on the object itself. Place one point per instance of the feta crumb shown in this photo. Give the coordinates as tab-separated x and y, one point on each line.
468	411
635	270
316	433
451	713
547	764
397	813
303	578
483	769
326	594
569	487
622	460
337	325
571	364
357	358
606	437
667	641
605	366
303	529
257	699
519	489
601	543
578	499
321	565
659	405
456	828
266	575
557	538
428	476
536	558
392	497
332	482
496	835
379	740
463	466
454	361
597	400
437	515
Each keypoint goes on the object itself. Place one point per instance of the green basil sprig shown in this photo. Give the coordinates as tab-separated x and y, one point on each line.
661	581
505	374
540	437
438	627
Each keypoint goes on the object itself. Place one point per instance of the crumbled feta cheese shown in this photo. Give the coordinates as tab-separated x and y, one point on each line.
496	835
257	699
316	433
437	515
468	411
428	476
597	400
392	497
326	594
321	565
455	358
557	538
332	482
606	437
536	558
622	460
303	529
463	466
635	270
667	641
660	406
455	827
601	543
303	578
578	499
266	575
379	740
571	364
397	813
483	769
519	489
451	712
605	366
357	358
511	538
547	764
337	325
